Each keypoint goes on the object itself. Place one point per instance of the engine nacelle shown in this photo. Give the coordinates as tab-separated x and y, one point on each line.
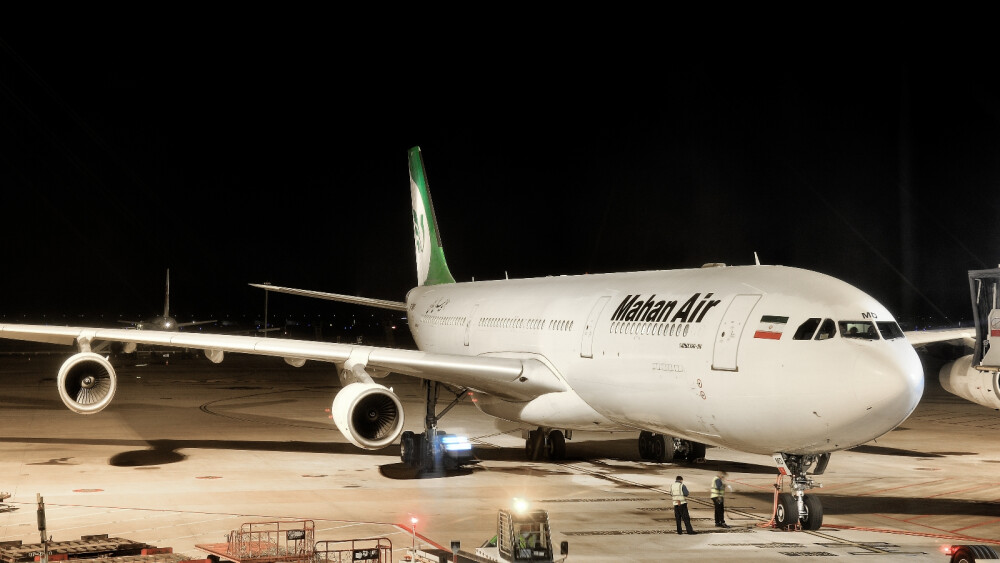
368	414
87	383
980	387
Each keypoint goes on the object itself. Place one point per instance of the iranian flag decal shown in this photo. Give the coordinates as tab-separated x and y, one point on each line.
770	327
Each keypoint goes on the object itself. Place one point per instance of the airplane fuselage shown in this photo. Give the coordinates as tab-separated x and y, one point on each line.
714	355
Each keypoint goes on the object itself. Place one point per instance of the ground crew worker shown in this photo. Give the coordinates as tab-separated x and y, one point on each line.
679	494
719	499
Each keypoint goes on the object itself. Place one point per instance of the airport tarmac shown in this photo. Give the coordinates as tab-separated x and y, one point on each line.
189	451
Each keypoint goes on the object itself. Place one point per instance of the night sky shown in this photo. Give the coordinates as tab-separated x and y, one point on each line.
237	158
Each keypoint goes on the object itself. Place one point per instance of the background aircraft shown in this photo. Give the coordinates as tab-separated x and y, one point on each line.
165	321
764	359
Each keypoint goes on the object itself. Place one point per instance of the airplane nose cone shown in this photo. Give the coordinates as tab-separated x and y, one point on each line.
892	386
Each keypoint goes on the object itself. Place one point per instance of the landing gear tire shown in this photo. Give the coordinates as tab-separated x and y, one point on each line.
407	448
418	451
645	441
787	513
669	449
696	452
963	555
534	446
812	515
656	448
659	448
556	445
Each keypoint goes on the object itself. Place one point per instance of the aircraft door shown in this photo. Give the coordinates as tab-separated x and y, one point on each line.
727	339
468	323
587	344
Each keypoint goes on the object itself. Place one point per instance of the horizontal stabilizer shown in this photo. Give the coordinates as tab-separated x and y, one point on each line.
380	303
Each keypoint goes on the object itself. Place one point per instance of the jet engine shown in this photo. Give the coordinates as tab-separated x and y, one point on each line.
368	414
87	383
980	387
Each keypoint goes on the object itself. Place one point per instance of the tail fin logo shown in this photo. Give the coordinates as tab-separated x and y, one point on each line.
421	234
419	231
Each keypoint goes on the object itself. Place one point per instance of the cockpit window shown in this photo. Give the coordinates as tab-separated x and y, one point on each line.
827	330
889	330
858	329
806	329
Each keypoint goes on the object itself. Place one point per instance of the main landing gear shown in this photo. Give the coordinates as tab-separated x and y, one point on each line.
661	448
440	451
797	510
546	444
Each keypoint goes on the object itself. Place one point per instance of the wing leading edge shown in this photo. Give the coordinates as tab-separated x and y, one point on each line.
923	337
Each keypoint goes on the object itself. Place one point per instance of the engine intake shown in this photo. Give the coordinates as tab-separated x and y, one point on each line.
87	383
368	414
980	387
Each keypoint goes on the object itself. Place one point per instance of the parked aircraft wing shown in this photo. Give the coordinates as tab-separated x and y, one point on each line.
510	378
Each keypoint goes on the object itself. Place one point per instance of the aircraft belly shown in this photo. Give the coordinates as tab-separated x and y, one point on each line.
754	412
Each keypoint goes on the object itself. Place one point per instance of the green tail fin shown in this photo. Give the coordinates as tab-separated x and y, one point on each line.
432	269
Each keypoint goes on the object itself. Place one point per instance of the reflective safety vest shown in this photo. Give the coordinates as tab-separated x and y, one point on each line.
677	493
718	488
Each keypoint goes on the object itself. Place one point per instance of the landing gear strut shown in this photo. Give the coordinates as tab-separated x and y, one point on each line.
661	448
428	450
797	510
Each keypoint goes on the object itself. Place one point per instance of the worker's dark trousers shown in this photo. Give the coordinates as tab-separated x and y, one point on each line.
681	513
720	510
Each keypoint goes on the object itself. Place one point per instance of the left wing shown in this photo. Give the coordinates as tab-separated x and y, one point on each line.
511	378
367	413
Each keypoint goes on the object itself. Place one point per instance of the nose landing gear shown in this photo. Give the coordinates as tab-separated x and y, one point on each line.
797	510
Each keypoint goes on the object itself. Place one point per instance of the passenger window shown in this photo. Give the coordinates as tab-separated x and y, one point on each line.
858	329
806	330
889	330
827	330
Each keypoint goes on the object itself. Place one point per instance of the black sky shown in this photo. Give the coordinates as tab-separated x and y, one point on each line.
236	158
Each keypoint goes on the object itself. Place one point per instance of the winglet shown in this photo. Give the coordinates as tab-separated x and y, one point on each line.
432	269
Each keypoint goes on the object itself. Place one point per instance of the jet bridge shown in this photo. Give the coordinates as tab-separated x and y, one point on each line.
976	377
984	285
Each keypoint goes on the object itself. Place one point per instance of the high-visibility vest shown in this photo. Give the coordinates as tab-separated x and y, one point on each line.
718	488
677	493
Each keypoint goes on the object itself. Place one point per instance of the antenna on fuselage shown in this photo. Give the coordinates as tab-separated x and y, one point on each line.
756	259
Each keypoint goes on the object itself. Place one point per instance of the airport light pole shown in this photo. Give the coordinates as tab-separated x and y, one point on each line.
413	529
41	529
266	292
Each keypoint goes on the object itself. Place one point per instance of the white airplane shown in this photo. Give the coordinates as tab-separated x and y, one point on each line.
770	360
